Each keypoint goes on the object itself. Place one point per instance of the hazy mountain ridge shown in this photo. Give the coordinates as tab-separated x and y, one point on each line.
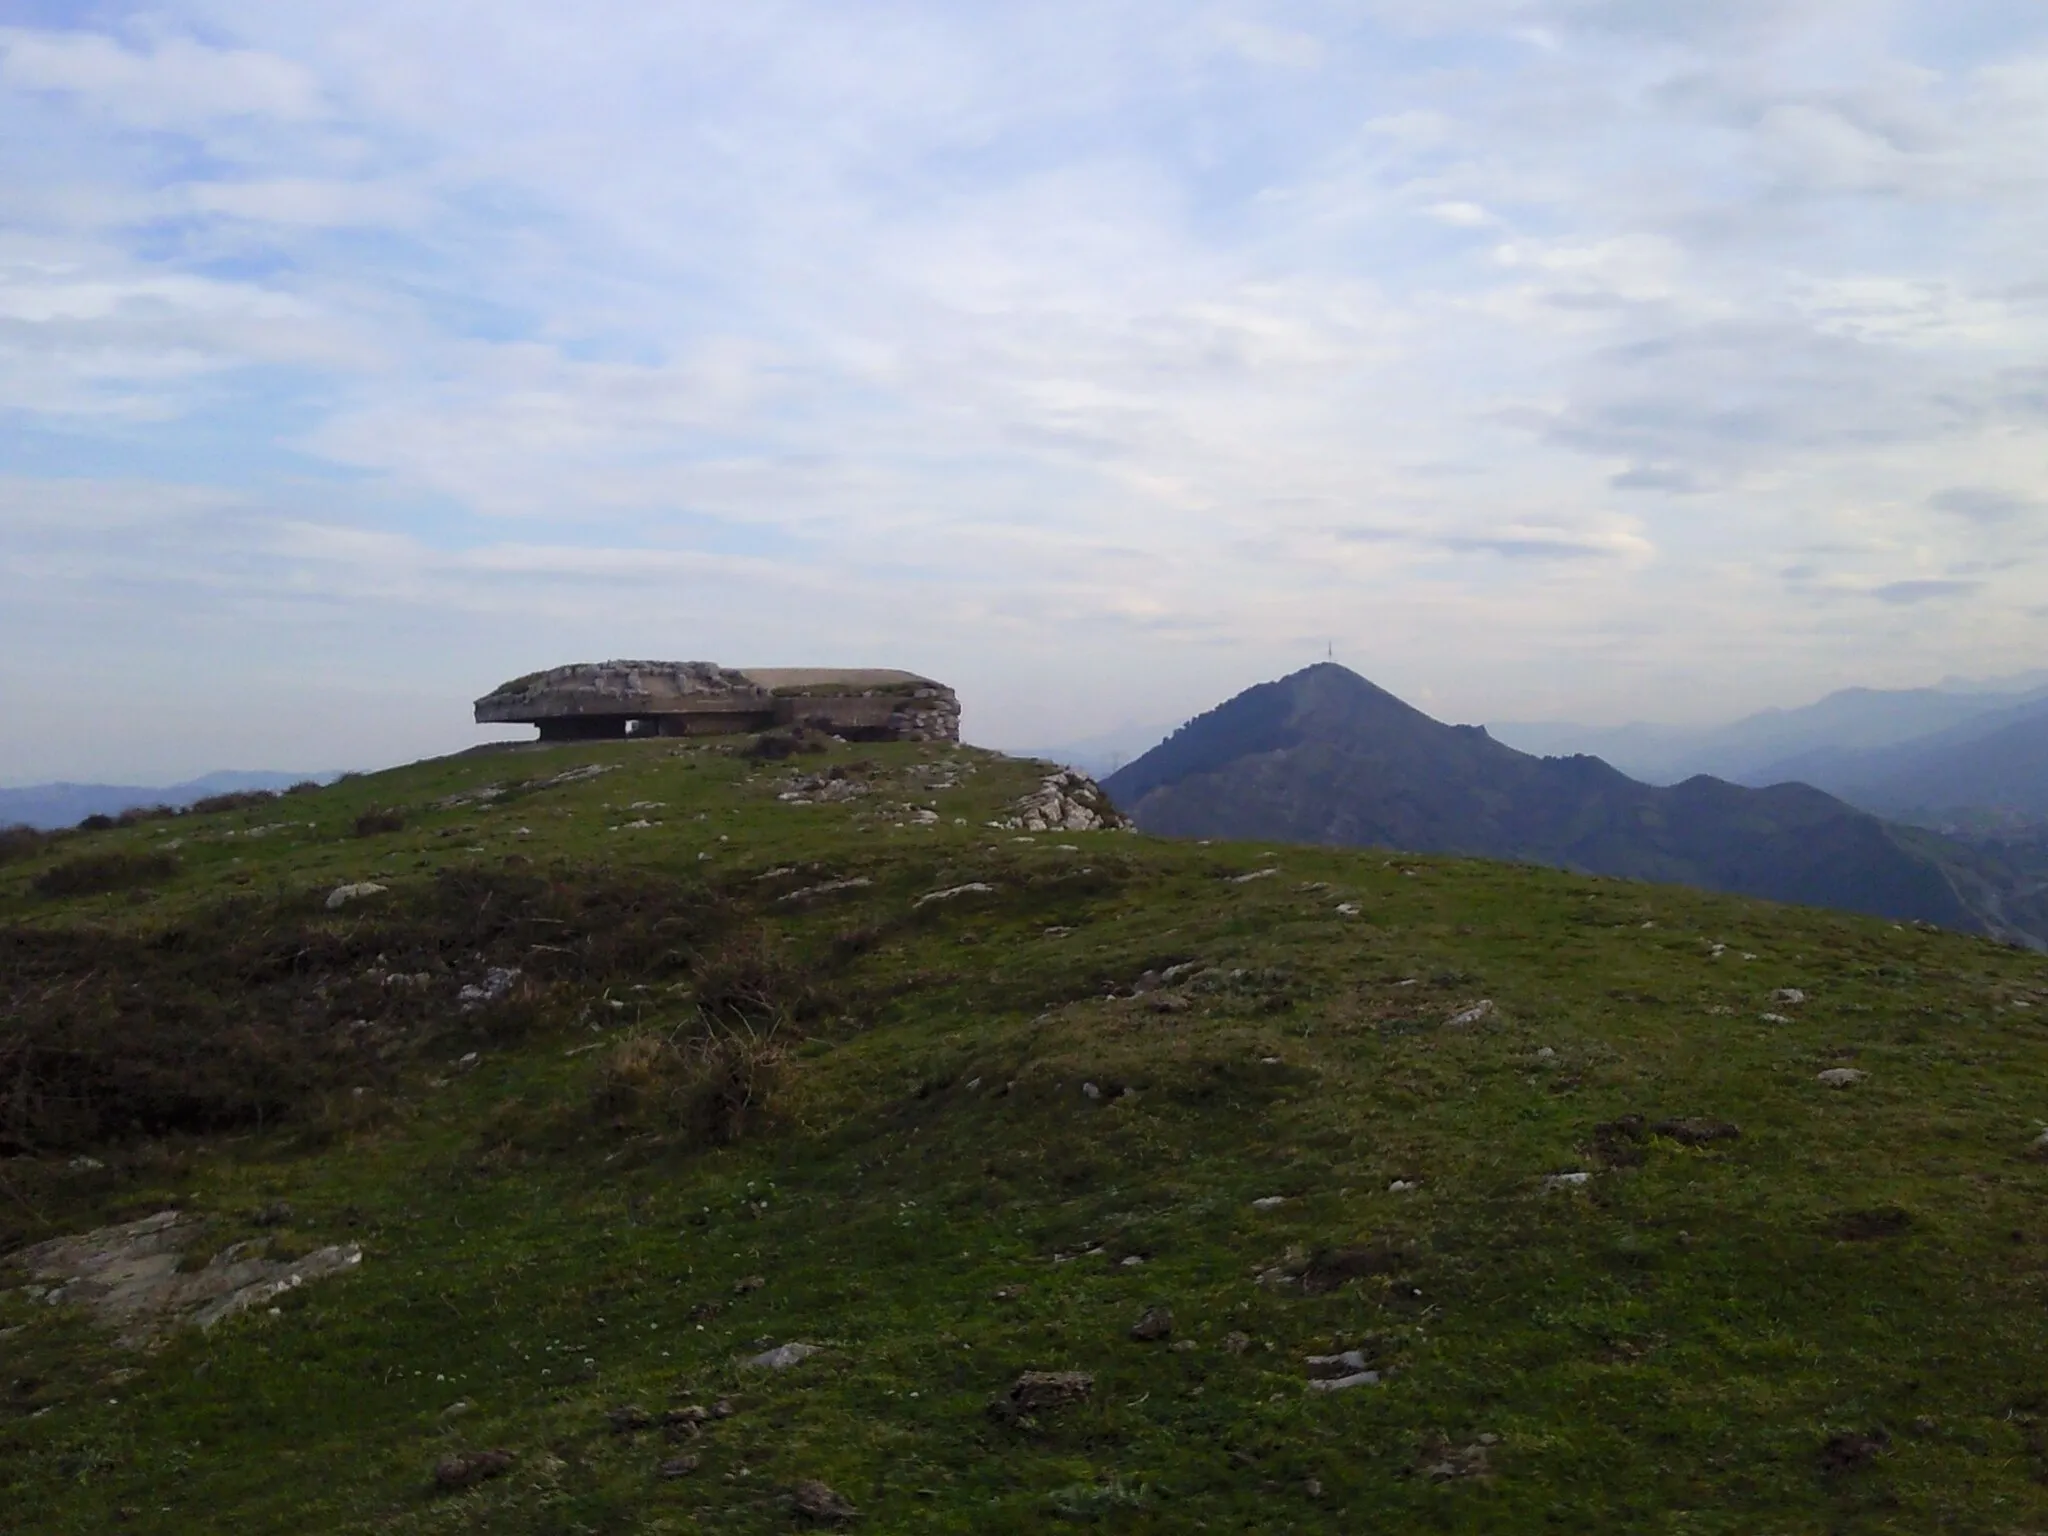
46	806
1324	756
1824	743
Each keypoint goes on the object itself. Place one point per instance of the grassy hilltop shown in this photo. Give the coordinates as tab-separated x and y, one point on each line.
746	1089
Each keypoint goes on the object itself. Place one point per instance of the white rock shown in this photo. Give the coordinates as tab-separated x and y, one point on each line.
1349	908
1091	1091
1565	1180
496	984
1349	1360
1401	1186
1841	1077
1774	1018
972	887
342	895
1257	874
783	1356
1472	1015
1788	997
1545	1053
1274	1202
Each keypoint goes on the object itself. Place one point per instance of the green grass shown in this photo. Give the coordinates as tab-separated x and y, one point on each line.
1668	1348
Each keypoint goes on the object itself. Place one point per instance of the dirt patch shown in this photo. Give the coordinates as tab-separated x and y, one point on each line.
1873	1226
1852	1450
1330	1268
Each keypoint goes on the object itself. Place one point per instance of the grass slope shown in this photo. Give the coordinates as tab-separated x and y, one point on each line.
957	1126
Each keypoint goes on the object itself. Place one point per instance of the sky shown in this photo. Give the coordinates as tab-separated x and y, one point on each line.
1589	359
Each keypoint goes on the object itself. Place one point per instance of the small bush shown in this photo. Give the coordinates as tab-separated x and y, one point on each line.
20	842
304	787
372	822
774	746
94	874
237	800
712	1088
97	822
750	980
136	814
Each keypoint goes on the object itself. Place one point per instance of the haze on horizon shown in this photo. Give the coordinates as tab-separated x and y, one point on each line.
1596	359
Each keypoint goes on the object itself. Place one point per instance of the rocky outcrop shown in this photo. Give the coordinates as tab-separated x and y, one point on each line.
133	1277
612	699
1067	801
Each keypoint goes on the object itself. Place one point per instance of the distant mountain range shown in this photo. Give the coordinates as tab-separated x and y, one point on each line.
1972	755
1323	756
65	805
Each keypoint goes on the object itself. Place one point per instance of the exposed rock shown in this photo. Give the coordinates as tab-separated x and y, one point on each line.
856	883
1236	1343
1274	1202
342	895
496	985
128	1275
1468	1016
1774	1018
677	1466
1341	1372
1331	1367
1841	1077
465	1469
1443	1462
813	1500
1556	1181
1788	997
1156	1324
1067	801
783	1356
951	893
1257	874
1037	1392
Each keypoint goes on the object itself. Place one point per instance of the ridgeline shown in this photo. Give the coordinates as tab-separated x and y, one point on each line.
1104	1178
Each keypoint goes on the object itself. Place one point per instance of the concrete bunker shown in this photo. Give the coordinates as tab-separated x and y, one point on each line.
618	700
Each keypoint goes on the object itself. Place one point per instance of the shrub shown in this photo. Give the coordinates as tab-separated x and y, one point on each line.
372	822
751	980
140	813
304	787
776	745
713	1087
94	874
252	1013
97	822
237	800
19	842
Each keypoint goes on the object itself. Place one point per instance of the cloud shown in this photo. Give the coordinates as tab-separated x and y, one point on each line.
168	83
1908	592
1981	504
1114	341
